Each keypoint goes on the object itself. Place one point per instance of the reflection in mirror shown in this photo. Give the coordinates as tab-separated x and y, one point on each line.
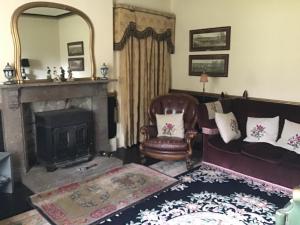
53	37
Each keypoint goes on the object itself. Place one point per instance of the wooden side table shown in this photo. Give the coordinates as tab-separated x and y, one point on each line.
6	179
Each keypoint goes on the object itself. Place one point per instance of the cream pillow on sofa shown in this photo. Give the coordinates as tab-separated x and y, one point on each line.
262	129
228	126
170	125
290	136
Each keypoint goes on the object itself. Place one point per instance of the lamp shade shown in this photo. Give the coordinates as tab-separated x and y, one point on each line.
25	63
204	78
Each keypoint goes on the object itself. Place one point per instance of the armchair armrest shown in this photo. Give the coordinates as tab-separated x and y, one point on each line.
148	132
190	134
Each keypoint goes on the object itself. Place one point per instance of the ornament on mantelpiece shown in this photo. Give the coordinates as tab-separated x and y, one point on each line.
104	71
62	74
49	73
70	75
9	73
55	75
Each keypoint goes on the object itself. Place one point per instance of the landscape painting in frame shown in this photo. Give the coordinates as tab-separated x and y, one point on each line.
213	65
75	48
76	64
210	39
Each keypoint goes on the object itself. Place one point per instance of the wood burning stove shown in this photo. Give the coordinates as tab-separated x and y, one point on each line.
64	137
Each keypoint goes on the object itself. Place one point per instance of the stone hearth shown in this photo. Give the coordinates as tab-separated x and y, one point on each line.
18	104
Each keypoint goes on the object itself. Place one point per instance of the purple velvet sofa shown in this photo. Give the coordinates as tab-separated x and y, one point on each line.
260	160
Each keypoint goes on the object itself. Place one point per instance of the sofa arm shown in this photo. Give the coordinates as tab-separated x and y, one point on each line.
210	130
148	132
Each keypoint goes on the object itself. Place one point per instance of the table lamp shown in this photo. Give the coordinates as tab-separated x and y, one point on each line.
24	64
204	79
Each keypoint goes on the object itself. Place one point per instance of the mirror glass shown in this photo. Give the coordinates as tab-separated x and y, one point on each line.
53	37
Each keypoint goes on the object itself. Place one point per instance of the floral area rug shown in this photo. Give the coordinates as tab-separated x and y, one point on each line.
172	168
208	195
92	200
32	217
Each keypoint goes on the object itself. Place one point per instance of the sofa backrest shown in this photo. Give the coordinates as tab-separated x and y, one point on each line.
243	108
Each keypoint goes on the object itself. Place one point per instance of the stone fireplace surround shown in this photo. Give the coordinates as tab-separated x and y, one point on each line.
15	100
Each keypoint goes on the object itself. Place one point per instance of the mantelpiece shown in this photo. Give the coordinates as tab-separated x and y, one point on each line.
16	98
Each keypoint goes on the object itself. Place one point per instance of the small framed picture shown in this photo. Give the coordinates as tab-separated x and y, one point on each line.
213	65
76	64
75	48
210	39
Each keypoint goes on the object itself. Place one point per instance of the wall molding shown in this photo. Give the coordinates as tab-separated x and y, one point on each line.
215	95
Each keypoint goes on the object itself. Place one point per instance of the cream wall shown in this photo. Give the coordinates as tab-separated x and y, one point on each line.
39	43
100	13
70	33
265	47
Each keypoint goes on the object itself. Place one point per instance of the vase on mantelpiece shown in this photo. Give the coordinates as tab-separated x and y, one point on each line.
104	71
9	73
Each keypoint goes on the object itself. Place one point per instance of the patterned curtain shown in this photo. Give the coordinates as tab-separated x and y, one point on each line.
145	41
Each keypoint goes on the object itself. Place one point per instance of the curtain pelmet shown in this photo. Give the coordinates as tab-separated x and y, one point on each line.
130	23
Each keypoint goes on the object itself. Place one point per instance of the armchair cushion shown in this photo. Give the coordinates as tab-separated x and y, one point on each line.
170	125
166	144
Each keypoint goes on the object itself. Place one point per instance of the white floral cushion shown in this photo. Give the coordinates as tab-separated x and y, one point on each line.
212	108
290	136
170	125
262	129
228	126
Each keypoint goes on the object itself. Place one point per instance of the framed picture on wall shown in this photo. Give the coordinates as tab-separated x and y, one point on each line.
76	64
213	65
210	39
75	48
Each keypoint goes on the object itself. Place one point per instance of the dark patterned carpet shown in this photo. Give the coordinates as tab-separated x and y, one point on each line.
208	195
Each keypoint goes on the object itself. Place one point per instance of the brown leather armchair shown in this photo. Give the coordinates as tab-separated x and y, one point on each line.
170	148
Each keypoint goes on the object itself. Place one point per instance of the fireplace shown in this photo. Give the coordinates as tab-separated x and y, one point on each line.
17	106
64	137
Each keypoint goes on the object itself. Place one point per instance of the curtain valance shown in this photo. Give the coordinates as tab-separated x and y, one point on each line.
141	23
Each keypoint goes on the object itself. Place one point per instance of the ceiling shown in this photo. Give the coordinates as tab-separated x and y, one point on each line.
46	11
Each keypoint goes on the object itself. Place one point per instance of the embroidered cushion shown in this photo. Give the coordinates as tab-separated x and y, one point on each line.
228	126
290	136
262	129
212	108
170	125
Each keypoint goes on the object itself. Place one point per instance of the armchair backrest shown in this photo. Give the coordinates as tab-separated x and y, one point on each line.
175	103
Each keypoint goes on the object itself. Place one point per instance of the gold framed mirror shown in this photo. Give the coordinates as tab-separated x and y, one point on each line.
53	35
